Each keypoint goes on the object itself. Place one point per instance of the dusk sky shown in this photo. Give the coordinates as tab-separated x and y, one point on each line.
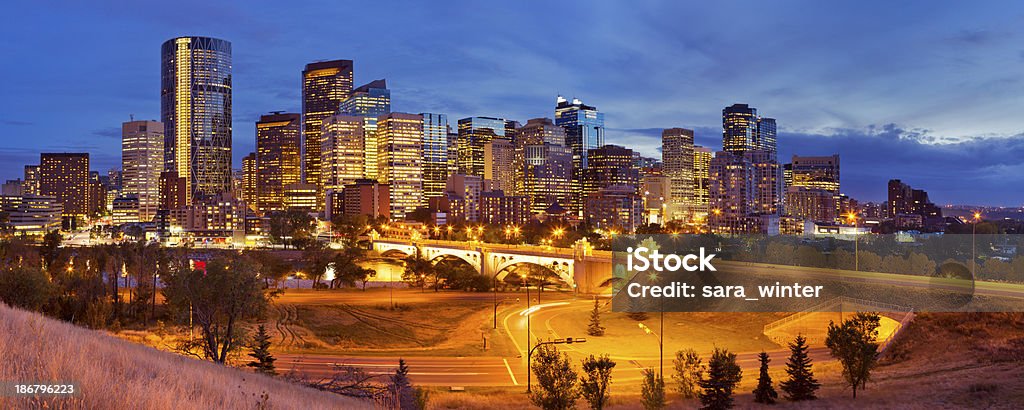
910	90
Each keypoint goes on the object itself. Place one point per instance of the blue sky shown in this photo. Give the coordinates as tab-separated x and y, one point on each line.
911	90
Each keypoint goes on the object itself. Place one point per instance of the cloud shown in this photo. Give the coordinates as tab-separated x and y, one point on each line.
16	123
109	132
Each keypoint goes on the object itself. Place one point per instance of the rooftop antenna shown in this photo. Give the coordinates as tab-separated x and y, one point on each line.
131	117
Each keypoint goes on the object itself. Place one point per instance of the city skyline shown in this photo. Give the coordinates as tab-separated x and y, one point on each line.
894	126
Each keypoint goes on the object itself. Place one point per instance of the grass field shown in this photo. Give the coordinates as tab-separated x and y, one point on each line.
113	373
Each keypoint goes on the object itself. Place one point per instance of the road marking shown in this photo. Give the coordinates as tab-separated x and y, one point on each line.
509	368
750	299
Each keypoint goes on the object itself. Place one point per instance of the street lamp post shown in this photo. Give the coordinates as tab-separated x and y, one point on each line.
974	248
856	240
661	343
529	355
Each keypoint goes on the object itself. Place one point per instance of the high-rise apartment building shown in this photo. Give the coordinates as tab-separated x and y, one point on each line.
435	154
743	130
467	189
325	84
369	101
400	161
543	165
65	176
767	182
474	134
278	158
142	161
31	180
677	155
195	108
172	191
584	130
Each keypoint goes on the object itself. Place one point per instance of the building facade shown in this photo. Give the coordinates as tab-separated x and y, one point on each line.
341	151
496	208
400	161
369	101
615	208
65	176
610	165
474	134
584	130
325	84
435	154
499	160
142	161
278	158
195	108
543	165
677	155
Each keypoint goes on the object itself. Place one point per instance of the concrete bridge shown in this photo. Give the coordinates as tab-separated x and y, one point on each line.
581	267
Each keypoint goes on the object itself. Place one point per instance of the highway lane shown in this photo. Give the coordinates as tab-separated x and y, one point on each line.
428	371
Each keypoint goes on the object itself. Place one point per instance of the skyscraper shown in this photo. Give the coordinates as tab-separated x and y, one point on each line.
543	164
400	161
701	162
369	101
249	179
142	161
278	158
325	84
341	151
743	130
435	154
677	156
65	176
584	130
195	108
31	180
474	133
499	157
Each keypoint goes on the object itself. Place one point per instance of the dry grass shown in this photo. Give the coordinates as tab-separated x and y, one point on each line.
113	373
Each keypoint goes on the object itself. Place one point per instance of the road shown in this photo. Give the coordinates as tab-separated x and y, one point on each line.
429	371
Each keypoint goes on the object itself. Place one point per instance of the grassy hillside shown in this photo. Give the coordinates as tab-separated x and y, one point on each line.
113	373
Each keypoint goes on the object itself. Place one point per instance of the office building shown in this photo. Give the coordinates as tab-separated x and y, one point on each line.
278	159
499	160
172	191
435	154
362	197
584	130
474	134
325	84
142	155
400	161
767	182
744	130
31	215
815	172
195	108
341	152
543	165
677	155
610	165
249	178
903	199
655	187
13	187
701	162
369	101
31	180
300	197
813	204
125	210
65	176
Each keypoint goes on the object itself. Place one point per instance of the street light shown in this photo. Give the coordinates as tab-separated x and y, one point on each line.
529	355
852	217
974	232
661	343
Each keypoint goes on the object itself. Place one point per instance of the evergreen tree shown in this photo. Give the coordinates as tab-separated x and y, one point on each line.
404	393
652	393
723	376
689	370
764	393
263	362
595	328
801	384
636	311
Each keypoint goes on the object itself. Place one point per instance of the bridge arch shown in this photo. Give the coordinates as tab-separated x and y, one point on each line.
499	265
434	254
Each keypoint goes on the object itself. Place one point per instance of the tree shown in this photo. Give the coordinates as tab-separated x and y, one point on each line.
50	248
689	370
556	379
417	269
801	384
652	390
401	388
25	287
723	375
597	375
853	344
764	393
636	311
263	361
228	292
317	258
595	328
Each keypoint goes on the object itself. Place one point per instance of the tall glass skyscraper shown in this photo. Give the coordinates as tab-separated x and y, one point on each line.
743	130
195	108
369	101
543	164
584	131
435	154
325	84
474	133
400	161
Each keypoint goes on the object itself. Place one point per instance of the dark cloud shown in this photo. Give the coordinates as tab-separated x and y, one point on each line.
109	132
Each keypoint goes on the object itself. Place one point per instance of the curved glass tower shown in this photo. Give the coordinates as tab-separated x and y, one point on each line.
195	107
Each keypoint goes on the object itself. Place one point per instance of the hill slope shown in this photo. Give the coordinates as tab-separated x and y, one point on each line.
113	373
